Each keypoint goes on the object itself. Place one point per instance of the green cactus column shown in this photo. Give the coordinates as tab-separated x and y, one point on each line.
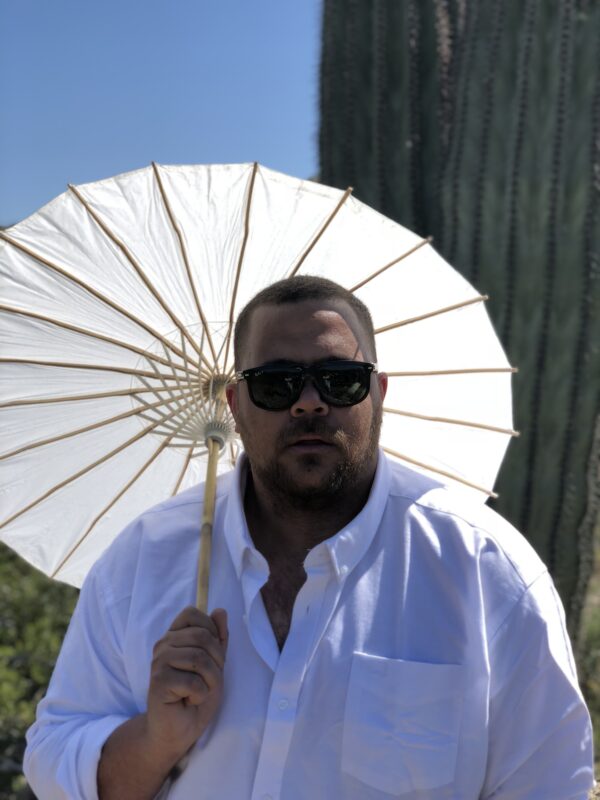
478	123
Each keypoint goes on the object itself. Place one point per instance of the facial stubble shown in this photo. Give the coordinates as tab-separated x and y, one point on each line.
346	479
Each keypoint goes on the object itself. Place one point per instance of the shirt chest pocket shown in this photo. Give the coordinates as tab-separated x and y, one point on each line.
401	723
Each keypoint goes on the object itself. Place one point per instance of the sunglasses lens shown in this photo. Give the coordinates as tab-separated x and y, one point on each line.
343	385
274	390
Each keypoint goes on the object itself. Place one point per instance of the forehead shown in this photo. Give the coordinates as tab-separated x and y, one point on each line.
305	332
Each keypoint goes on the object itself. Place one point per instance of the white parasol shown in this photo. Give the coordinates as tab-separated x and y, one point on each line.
118	303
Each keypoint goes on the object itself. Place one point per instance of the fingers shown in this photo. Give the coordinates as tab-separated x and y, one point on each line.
190	657
191	638
193	617
187	671
172	685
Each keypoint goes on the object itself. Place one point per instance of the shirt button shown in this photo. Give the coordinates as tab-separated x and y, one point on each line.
344	570
283	704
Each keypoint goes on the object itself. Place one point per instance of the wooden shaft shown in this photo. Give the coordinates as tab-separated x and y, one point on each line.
208	512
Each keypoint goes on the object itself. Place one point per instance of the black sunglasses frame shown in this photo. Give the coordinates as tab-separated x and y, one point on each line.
298	373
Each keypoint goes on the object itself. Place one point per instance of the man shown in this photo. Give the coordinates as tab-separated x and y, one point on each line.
374	634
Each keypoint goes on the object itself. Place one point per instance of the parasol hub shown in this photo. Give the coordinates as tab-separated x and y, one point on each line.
220	431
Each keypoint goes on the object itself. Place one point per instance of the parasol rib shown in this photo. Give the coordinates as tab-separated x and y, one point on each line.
81	472
414	249
322	230
176	399
450	421
480	299
117	497
451	475
74	365
86	287
184	255
86	332
425	373
172	402
86	429
240	260
137	267
181	408
166	428
73	398
185	366
120	494
182	405
174	395
186	464
189	380
106	508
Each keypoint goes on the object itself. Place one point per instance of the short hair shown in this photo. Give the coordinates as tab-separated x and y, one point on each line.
296	290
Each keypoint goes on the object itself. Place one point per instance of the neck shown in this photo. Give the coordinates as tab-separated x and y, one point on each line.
284	531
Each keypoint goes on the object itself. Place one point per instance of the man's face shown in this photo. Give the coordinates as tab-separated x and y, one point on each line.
312	453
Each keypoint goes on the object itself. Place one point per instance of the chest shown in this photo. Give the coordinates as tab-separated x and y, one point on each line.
279	595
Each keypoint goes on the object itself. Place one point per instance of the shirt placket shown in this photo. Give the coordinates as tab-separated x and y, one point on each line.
309	621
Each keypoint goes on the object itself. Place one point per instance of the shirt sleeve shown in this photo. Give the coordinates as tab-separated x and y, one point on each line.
540	734
87	699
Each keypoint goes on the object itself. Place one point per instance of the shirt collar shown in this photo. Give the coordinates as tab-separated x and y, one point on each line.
344	550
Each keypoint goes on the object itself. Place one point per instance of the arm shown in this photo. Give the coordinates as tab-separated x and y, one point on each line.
88	701
131	765
185	693
540	736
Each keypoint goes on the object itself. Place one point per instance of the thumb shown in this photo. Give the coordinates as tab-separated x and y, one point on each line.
219	617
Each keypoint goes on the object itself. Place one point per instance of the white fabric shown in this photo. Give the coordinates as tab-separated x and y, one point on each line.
427	658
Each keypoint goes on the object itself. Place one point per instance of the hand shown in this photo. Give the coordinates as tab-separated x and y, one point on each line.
186	683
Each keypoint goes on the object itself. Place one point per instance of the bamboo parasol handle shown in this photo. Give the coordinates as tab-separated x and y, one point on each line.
208	512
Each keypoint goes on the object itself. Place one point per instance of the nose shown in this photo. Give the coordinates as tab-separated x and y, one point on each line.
309	402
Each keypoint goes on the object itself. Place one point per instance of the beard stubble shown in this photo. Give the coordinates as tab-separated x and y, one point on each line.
342	482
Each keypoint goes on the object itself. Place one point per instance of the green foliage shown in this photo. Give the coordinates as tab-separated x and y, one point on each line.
590	674
445	115
34	614
589	661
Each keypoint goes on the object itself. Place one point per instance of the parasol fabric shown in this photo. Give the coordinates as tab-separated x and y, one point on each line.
118	301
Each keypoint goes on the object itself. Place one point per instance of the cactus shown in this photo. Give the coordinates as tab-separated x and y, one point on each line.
478	123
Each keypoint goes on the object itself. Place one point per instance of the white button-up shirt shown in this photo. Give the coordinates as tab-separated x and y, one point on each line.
427	658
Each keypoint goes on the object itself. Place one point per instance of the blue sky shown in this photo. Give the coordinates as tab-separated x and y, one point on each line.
91	88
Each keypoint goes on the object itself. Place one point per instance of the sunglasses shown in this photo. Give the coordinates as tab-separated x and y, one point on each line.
339	383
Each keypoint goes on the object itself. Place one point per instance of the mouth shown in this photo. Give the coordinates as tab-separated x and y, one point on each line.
310	442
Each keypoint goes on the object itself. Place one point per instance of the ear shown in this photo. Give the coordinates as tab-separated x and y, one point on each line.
231	393
382	380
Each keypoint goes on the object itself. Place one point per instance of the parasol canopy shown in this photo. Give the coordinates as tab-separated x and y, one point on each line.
118	304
